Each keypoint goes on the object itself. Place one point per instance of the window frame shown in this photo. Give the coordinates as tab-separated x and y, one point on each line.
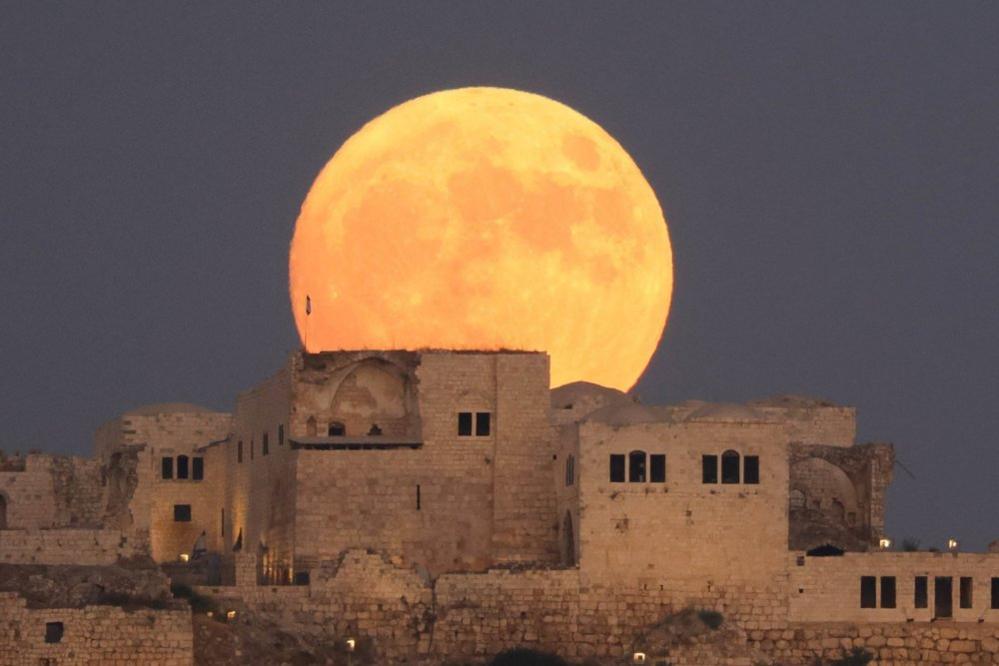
618	463
466	424
166	468
731	474
921	592
751	470
180	510
198	468
657	468
868	591
638	466
888	592
709	469
183	469
483	424
966	592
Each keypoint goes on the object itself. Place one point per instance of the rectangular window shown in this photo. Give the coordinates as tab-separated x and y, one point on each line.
181	513
967	583
182	471
281	434
252	447
751	466
922	596
222	523
197	468
265	444
482	424
868	592
239	451
709	469
418	502
53	632
995	593
167	471
888	592
464	424
657	473
617	468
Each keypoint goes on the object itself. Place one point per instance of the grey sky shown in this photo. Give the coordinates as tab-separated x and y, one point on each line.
829	172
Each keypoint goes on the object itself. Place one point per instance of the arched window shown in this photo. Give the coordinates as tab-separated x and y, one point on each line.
570	470
336	429
730	467
182	468
796	499
310	426
636	467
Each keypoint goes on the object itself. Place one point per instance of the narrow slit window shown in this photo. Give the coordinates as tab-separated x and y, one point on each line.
280	434
181	513
636	466
995	594
265	444
482	423
197	468
222	522
967	585
418	498
252	447
617	468
751	469
730	467
239	451
657	468
922	597
464	424
709	469
570	470
868	592
888	592
167	468
182	470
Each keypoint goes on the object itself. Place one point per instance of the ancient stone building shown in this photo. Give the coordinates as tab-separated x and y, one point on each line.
438	504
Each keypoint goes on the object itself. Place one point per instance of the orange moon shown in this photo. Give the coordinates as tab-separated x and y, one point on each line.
485	218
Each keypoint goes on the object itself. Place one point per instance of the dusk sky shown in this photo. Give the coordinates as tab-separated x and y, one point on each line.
830	174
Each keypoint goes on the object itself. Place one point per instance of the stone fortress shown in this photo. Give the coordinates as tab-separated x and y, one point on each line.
437	506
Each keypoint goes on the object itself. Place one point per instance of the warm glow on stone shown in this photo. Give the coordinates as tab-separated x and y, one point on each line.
485	218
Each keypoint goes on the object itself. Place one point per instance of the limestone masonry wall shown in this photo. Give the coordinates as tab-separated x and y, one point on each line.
97	635
85	547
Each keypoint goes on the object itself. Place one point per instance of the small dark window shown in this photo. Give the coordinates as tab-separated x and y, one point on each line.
617	468
281	434
53	632
336	429
967	583
868	592
418	502
167	472
197	468
922	597
657	471
730	467
636	466
253	446
995	593
301	578
888	592
265	444
181	513
374	430
464	424
239	451
482	424
570	470
751	469
182	471
709	469
222	523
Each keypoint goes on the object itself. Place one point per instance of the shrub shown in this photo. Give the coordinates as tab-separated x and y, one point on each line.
199	603
910	545
711	618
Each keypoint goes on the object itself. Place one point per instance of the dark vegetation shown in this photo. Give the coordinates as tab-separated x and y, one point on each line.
856	657
526	657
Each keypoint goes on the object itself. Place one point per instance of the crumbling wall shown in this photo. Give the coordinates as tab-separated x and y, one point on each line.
837	495
85	546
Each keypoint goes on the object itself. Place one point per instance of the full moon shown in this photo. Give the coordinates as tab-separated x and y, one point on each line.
485	219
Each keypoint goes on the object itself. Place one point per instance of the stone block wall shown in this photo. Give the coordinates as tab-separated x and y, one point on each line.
93	635
85	547
53	491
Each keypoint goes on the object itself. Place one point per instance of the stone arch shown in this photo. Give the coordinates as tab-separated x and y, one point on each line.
828	488
374	392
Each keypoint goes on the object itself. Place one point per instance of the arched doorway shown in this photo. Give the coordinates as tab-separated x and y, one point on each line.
568	541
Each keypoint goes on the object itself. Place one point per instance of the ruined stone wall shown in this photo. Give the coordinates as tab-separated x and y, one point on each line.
828	588
93	635
65	546
47	491
723	534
